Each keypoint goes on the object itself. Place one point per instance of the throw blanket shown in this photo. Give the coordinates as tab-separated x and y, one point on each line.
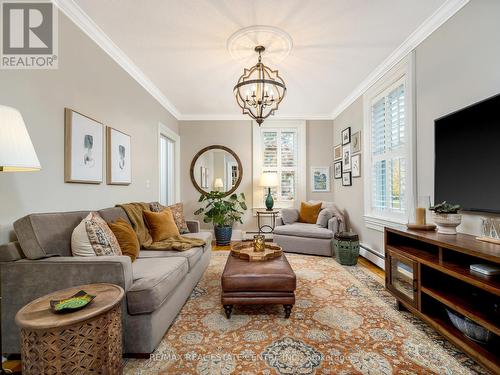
134	212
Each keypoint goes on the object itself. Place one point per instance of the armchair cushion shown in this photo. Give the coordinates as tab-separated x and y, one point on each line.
303	230
289	215
309	212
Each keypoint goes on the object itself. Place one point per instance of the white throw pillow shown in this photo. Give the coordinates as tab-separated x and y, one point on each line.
80	243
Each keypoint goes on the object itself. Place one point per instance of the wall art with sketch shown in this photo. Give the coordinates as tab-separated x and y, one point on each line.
83	148
320	179
119	168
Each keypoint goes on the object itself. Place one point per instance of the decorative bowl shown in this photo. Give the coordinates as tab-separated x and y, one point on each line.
74	303
447	223
470	329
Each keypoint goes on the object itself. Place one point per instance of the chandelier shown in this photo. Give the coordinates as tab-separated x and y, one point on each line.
259	90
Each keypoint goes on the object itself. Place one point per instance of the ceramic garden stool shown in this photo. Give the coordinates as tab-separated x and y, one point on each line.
84	341
346	248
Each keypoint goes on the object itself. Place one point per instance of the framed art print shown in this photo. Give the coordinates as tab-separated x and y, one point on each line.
119	169
320	179
337	170
83	148
346	158
346	136
356	165
337	152
356	142
346	179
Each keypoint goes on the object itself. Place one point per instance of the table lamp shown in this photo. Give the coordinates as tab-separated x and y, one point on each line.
218	184
17	154
269	180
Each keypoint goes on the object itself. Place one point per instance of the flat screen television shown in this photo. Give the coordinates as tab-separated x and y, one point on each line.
467	157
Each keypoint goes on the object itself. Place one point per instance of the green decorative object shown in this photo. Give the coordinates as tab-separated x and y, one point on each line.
346	248
75	302
269	200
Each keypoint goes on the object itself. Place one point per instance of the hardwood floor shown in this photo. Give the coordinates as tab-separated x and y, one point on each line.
362	262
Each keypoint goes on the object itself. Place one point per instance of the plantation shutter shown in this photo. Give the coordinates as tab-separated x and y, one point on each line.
388	150
280	154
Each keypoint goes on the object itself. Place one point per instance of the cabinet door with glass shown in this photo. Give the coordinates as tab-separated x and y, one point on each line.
402	277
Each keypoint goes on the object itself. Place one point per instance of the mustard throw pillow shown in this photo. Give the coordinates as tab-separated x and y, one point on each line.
308	213
125	234
161	225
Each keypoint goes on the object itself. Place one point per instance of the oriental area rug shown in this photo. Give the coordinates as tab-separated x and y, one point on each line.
343	322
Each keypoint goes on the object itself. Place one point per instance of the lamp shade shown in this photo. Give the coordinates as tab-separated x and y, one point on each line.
17	153
269	179
218	183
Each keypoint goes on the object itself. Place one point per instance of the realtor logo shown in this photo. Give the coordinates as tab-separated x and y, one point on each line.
29	35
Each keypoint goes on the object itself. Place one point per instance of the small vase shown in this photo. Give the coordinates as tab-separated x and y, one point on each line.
447	223
223	235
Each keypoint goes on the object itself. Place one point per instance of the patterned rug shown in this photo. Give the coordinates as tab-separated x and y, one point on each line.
343	322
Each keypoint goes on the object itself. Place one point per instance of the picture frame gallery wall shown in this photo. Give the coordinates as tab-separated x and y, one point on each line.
90	146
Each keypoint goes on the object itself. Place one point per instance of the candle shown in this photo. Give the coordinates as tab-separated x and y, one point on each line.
420	216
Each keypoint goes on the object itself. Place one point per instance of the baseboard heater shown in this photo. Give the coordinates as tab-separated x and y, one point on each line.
376	253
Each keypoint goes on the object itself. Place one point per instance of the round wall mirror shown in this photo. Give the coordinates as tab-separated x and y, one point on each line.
216	168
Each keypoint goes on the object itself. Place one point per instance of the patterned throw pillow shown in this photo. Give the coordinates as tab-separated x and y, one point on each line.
178	213
101	237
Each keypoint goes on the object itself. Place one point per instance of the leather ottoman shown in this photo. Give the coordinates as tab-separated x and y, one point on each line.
254	283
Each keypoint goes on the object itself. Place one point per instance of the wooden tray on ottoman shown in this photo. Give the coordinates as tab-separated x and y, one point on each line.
246	251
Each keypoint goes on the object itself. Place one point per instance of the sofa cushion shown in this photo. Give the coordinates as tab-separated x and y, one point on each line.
154	280
112	214
205	236
289	215
303	230
42	235
192	255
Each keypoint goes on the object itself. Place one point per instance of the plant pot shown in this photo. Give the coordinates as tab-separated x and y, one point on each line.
447	223
223	235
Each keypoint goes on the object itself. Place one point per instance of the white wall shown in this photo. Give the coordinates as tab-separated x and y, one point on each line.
89	81
455	66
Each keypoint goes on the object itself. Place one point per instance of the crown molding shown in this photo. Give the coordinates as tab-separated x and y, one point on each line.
431	24
89	27
240	117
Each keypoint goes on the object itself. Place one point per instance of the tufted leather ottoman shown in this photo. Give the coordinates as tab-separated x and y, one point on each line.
254	283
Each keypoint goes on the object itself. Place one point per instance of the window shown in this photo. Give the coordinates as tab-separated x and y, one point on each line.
389	152
280	147
169	158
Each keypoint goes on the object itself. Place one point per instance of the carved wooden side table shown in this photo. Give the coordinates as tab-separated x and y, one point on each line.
84	341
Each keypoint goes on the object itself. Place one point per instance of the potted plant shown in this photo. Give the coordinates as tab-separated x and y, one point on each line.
446	217
223	213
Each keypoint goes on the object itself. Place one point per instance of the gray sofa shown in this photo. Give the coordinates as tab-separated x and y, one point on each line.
157	283
313	239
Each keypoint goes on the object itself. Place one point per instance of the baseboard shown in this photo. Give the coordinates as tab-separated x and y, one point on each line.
373	256
236	236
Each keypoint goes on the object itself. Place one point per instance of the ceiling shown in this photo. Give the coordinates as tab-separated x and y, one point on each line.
180	45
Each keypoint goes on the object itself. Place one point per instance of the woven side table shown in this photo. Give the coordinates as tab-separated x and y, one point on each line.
84	341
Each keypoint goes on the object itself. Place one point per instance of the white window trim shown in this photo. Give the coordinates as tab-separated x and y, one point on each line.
301	188
406	69
165	131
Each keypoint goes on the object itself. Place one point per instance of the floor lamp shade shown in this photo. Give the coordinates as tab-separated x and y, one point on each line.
17	153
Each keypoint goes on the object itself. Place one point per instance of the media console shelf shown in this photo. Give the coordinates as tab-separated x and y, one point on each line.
429	273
